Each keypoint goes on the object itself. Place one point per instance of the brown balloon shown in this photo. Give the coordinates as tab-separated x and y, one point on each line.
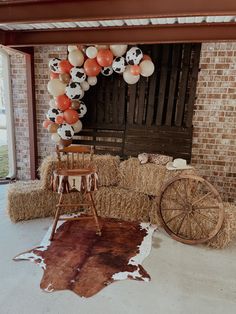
52	128
75	105
64	77
65	143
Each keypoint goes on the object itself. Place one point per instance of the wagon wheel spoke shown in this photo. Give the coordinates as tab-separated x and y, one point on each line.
202	198
172	218
179	209
175	200
181	224
186	189
179	195
207	207
200	226
213	221
194	190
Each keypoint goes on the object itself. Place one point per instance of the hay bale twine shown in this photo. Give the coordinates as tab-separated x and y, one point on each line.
123	204
107	167
146	178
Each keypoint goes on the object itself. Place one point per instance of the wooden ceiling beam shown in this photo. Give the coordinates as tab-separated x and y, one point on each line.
146	34
32	11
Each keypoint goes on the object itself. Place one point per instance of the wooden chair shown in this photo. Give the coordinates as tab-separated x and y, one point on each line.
71	163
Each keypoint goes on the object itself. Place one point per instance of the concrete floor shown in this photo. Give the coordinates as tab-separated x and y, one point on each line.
185	279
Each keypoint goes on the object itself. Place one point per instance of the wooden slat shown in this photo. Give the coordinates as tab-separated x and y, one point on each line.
132	99
162	88
121	104
183	85
141	100
173	76
115	84
193	84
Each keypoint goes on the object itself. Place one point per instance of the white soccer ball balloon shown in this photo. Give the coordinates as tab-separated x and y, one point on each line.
54	65
65	131
118	65
107	71
53	113
134	55
74	91
78	74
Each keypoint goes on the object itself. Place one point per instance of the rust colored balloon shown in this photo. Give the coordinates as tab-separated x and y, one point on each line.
146	57
46	123
65	143
135	70
62	102
64	77
52	128
71	116
59	119
104	57
75	105
64	66
91	67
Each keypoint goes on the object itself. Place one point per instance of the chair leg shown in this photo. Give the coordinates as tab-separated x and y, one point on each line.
95	213
57	215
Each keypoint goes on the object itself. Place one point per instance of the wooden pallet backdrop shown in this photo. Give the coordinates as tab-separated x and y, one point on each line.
154	115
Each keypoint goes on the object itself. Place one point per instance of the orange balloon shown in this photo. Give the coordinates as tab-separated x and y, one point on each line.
54	75
64	66
135	70
62	102
59	119
105	57
146	57
71	116
46	123
91	67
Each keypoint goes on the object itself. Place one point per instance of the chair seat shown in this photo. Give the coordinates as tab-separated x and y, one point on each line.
75	172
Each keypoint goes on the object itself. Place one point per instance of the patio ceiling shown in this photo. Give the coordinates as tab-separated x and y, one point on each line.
34	22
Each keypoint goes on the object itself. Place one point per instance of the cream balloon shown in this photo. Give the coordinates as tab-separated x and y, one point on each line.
92	80
77	126
56	87
52	103
118	50
91	52
76	58
101	47
85	85
130	78
72	48
55	138
146	68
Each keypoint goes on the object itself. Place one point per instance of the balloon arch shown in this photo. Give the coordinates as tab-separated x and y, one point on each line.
71	78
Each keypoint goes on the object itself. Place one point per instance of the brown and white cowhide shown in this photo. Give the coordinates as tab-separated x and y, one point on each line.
79	260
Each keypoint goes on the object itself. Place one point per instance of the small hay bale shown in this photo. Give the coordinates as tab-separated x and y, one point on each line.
147	178
154	215
171	174
107	167
228	230
123	204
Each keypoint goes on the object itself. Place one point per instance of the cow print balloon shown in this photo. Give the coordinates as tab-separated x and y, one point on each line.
134	55
74	91
53	113
65	131
119	65
107	71
82	109
54	65
78	74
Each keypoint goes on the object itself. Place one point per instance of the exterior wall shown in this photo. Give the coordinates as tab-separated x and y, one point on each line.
214	121
42	55
20	110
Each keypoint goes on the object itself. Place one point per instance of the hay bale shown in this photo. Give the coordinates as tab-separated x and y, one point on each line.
107	167
171	174
147	178
227	232
154	216
123	204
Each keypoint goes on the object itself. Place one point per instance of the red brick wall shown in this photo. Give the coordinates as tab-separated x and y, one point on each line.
20	109
214	121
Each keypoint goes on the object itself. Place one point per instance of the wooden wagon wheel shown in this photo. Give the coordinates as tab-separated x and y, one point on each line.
191	209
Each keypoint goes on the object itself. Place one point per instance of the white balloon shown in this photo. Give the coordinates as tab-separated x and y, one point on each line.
77	126
147	68
72	48
118	50
55	137
56	87
129	77
91	52
52	103
85	85
76	58
92	80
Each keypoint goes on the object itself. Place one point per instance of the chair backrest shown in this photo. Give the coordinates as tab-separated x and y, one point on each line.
74	156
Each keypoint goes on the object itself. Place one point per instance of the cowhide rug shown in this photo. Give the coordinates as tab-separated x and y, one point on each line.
79	260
